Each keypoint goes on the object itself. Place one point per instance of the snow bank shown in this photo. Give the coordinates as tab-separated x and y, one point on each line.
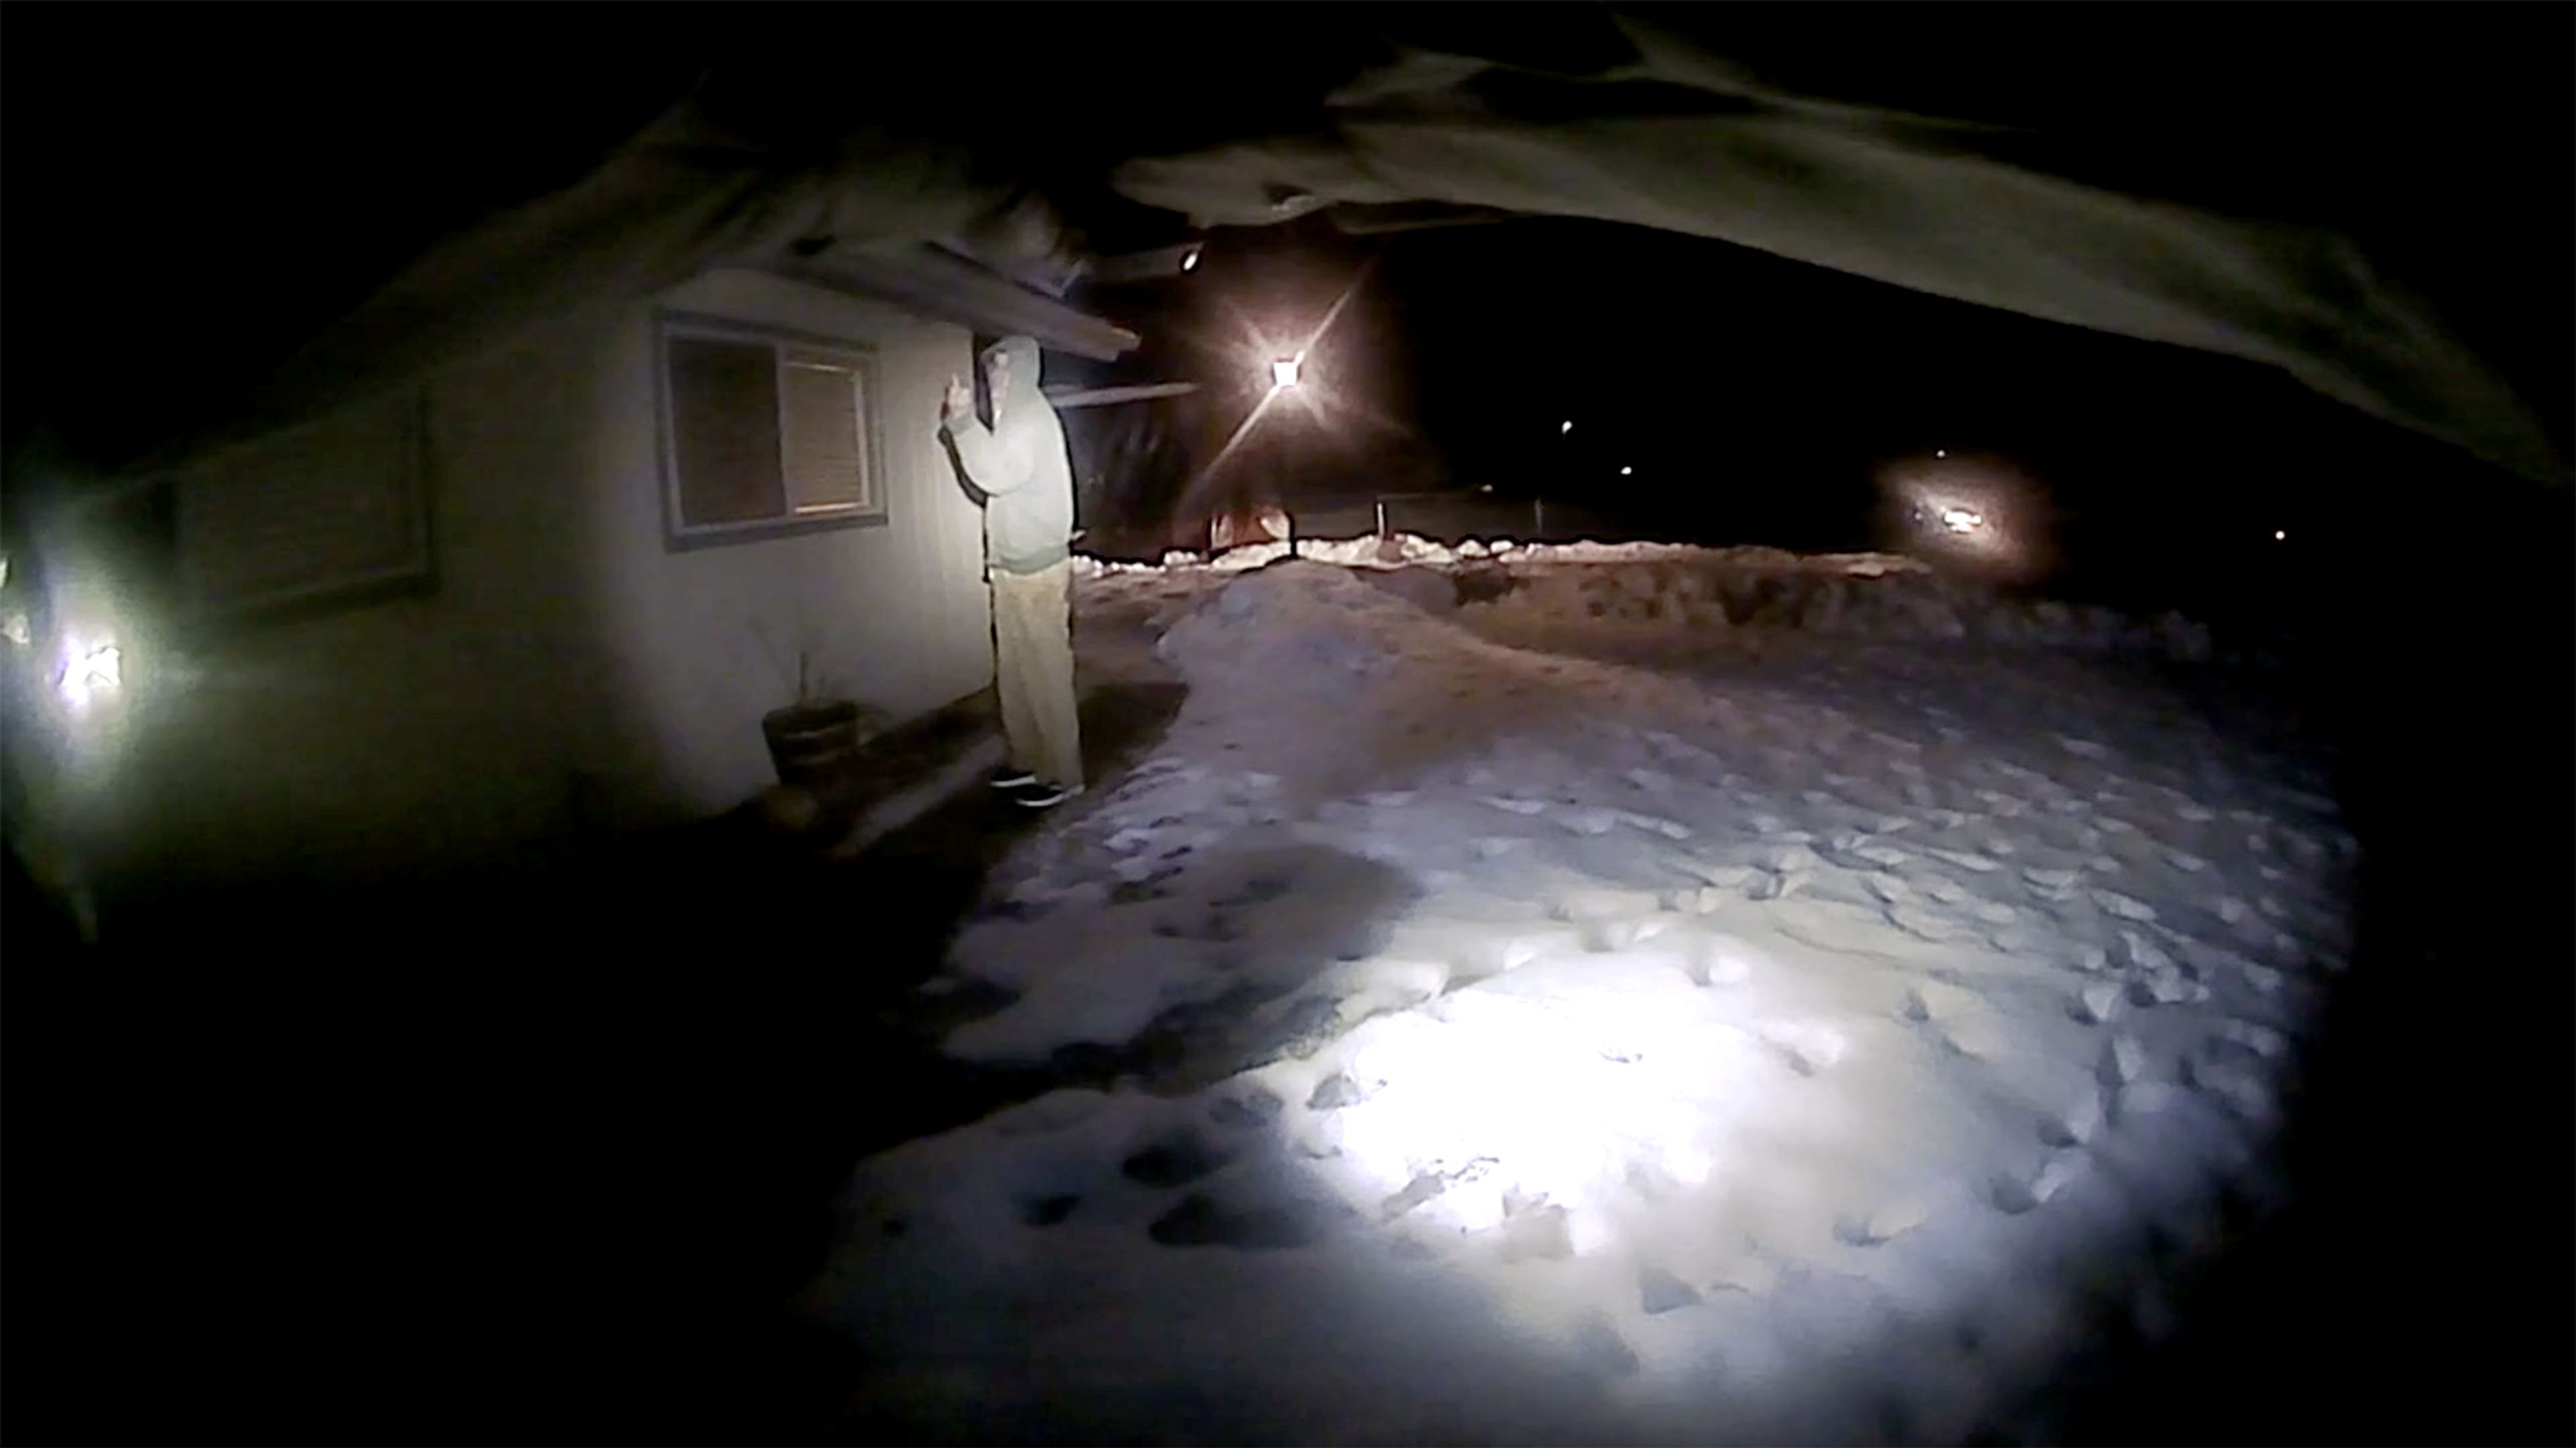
1536	595
1526	1046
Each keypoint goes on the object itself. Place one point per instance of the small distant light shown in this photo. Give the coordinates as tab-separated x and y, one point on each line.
1563	428
1487	488
1940	452
1190	260
1623	472
1283	373
2279	535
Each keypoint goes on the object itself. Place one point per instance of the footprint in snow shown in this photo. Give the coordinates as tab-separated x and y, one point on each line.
2123	1059
1655	824
2021	941
1048	1211
2254	1036
2166	988
1806	1049
1659	1292
1587	820
2075	1128
2126	907
1175	1161
1926	925
1202	1220
2144	954
2014	1195
2239	1088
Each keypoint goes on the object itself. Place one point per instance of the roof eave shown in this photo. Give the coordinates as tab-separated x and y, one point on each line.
936	283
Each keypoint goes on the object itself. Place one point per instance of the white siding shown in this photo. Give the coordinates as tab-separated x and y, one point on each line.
569	670
705	640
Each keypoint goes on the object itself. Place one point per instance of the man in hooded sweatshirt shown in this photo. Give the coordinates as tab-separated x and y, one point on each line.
1023	476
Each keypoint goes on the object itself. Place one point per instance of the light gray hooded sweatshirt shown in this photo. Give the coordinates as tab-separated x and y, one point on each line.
1021	465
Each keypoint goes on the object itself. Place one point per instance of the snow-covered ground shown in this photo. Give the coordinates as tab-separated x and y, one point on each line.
1550	1022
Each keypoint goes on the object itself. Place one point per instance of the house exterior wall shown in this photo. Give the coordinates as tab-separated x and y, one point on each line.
567	672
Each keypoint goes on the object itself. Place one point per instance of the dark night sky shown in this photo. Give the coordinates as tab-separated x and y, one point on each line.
225	193
1755	396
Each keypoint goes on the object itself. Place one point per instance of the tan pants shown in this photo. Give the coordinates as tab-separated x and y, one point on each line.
1033	672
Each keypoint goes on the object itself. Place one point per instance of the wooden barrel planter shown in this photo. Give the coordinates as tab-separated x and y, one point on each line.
815	746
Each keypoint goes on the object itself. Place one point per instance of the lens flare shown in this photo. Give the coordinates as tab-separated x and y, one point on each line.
1978	514
1286	367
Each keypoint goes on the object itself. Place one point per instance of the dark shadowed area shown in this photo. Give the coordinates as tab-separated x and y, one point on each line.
548	1151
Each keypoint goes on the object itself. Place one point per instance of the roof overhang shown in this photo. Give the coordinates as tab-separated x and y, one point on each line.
937	283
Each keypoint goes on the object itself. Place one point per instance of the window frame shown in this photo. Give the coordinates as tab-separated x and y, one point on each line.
682	537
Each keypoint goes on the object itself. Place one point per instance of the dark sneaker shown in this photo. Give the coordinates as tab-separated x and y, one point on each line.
1008	778
1044	796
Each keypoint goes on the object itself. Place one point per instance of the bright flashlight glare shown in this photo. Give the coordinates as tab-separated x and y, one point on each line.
1940	452
1563	428
1961	520
89	672
2278	535
1496	1099
1190	260
1283	373
1623	472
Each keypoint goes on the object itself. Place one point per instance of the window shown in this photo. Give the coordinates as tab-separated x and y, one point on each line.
764	434
330	512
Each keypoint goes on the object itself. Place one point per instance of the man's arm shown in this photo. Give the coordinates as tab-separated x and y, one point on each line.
994	463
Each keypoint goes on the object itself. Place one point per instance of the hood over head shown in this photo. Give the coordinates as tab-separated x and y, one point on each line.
1024	358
